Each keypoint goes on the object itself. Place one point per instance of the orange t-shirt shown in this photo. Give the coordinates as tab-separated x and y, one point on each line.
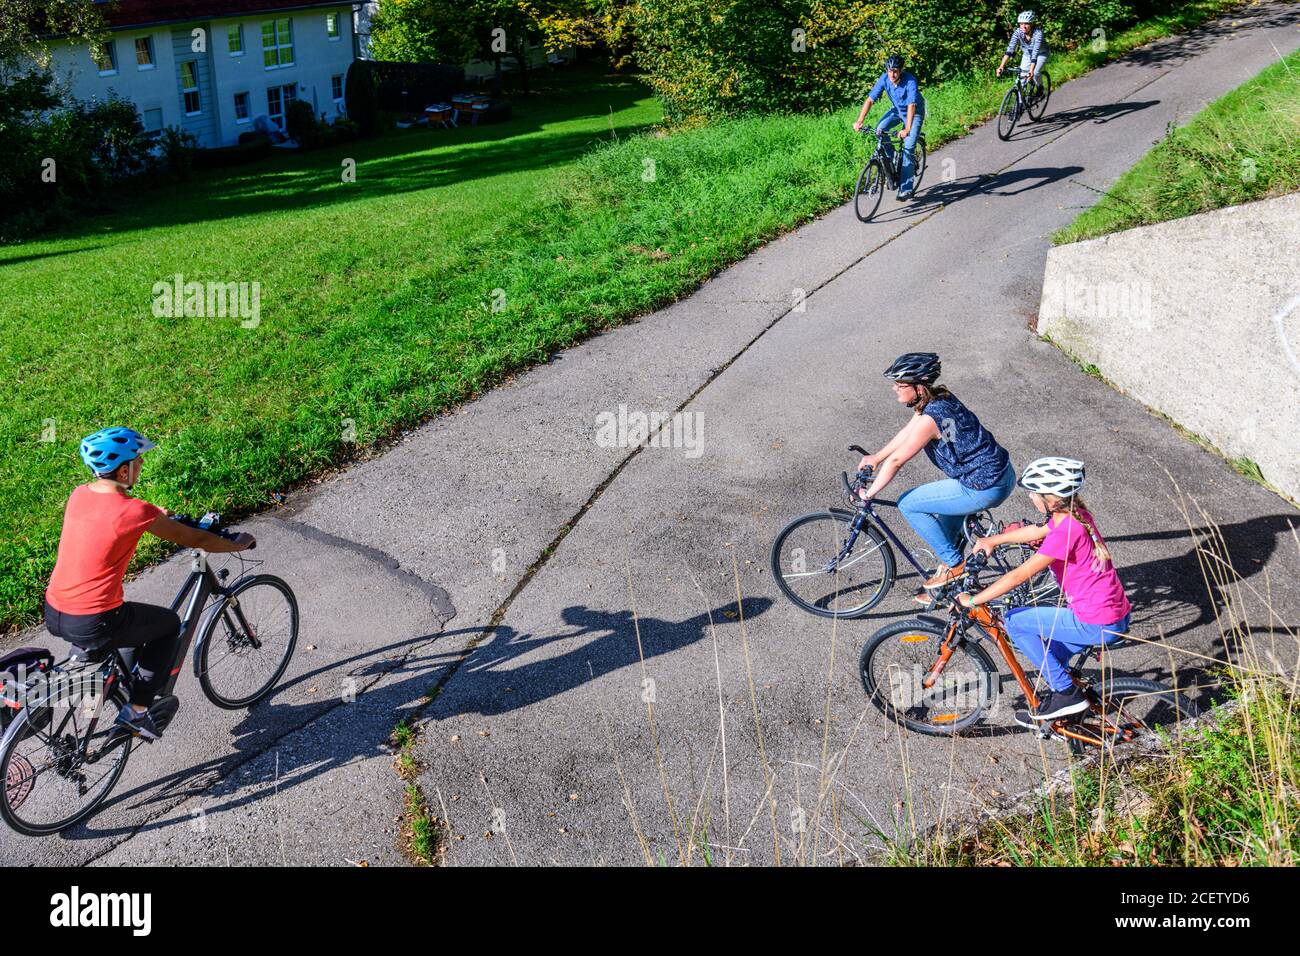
100	534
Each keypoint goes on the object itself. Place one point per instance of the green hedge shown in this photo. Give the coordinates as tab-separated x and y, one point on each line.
713	58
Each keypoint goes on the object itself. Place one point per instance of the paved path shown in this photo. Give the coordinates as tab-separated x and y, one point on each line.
507	528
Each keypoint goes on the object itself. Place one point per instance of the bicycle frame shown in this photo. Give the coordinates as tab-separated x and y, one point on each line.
893	165
867	510
983	617
193	597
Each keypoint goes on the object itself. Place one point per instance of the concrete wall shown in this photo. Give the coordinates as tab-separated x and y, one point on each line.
1198	318
317	59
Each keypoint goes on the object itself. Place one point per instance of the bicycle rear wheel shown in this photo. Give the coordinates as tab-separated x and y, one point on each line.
809	569
897	657
57	772
871	186
1037	107
1130	708
1008	114
245	644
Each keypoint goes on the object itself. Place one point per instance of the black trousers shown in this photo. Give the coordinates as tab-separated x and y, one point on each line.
154	631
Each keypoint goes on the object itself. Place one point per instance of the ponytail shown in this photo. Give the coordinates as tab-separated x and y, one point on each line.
1079	512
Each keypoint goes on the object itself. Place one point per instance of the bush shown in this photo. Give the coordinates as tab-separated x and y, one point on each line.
360	98
252	147
300	121
178	149
712	58
61	159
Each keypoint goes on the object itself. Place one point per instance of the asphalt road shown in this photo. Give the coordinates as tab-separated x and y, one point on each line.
507	556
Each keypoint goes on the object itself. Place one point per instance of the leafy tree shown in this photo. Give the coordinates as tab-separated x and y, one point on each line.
25	23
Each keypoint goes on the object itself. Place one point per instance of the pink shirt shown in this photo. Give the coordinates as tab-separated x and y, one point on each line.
1093	590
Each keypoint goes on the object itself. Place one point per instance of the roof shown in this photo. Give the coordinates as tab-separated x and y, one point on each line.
134	13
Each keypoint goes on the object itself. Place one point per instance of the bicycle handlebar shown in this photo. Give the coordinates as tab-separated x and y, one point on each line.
211	523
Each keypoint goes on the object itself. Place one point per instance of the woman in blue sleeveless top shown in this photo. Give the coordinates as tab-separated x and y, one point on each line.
978	468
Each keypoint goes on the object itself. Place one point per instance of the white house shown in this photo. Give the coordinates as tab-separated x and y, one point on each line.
211	67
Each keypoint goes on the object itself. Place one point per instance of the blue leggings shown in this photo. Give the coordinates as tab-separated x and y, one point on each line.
936	511
1050	636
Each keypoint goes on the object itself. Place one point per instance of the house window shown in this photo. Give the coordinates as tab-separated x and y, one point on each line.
241	107
336	87
277	43
144	53
105	58
235	40
332	26
277	99
152	119
190	87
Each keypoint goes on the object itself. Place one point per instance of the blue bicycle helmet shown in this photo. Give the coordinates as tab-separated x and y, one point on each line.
108	448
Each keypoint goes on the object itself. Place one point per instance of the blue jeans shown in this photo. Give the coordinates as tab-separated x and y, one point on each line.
887	122
1050	636
936	511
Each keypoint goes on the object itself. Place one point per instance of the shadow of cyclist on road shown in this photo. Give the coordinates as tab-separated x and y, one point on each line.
1012	182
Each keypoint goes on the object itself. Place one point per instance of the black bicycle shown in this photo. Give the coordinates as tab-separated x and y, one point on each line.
884	170
1025	98
63	754
840	563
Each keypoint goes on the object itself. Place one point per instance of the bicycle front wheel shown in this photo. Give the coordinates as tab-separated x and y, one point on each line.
245	644
1008	114
1040	589
1038	105
871	186
1127	708
56	769
895	662
817	568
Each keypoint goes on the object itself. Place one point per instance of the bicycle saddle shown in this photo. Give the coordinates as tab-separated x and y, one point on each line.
81	655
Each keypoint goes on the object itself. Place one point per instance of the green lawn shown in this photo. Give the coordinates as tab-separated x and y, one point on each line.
1243	146
377	296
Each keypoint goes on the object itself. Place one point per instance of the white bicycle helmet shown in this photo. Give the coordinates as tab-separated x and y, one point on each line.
1061	477
1026	16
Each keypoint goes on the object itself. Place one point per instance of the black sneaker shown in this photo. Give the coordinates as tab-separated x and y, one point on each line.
140	725
1056	704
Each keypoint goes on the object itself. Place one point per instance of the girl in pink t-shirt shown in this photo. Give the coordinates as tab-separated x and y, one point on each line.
1069	543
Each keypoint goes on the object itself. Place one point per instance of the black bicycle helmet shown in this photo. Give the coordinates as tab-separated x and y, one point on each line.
915	368
895	62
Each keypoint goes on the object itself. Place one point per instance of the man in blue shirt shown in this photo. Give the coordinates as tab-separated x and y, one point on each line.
907	107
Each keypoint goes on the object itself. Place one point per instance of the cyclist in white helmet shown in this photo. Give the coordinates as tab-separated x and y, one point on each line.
1028	37
1069	543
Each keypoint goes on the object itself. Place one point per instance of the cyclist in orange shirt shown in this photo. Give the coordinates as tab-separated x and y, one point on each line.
102	525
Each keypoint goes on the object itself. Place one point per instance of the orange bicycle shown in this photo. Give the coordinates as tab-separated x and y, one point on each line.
938	678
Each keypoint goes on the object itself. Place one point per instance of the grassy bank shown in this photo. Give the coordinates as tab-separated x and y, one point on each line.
1227	796
1224	791
1243	146
455	258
